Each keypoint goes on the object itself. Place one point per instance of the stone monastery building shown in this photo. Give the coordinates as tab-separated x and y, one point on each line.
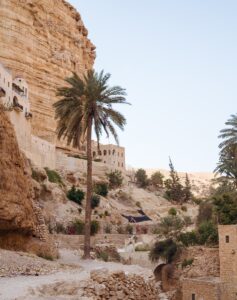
14	94
225	286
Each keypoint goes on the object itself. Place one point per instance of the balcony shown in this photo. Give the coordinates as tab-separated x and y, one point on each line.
28	115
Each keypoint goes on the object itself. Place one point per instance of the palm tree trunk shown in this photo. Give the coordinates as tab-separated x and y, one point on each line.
88	194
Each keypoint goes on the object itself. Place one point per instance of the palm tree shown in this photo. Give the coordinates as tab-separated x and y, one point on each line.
229	135
86	105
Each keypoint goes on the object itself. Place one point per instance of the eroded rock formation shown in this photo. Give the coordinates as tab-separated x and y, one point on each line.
43	41
22	225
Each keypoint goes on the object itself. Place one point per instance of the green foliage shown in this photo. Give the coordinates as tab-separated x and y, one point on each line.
101	188
53	176
95	201
170	226
141	178
129	229
174	189
188	238
205	212
187	193
76	195
79	227
95	227
163	249
157	179
172	211
115	179
103	255
187	262
208	233
226	208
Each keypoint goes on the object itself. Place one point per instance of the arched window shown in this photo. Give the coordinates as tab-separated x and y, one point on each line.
94	153
100	153
105	152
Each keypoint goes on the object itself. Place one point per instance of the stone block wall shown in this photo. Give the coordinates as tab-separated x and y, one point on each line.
201	289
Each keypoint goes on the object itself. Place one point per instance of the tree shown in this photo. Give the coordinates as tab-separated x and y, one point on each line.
174	189
157	179
86	104
141	178
227	165
115	179
163	249
187	189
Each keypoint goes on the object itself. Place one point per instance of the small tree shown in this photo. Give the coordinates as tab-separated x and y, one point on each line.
115	179
187	190
174	189
141	178
101	188
157	179
163	249
95	201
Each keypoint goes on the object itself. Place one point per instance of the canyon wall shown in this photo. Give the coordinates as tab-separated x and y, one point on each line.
43	41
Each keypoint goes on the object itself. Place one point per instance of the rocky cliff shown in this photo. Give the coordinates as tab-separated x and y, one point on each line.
43	41
16	206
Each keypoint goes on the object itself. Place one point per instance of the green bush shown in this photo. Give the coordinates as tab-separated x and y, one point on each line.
226	208
170	225
53	176
188	238
76	195
187	262
187	221
95	201
115	179
163	249
101	188
103	255
172	211
79	227
141	178
95	227
208	233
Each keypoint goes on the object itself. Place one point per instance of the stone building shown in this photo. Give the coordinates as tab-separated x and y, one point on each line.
112	155
225	286
14	94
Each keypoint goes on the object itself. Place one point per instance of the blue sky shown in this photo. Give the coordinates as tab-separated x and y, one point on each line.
178	62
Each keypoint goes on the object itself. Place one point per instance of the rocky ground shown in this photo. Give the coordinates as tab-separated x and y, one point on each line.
25	276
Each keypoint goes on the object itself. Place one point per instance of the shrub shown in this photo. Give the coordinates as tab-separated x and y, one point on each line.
95	201
208	233
170	225
53	176
226	208
101	188
129	229
188	238
60	228
184	208
187	262
141	178
163	249
157	179
75	195
95	227
172	211
79	227
187	221
103	255
115	179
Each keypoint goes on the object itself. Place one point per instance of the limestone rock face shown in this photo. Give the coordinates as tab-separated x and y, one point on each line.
16	206
43	41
